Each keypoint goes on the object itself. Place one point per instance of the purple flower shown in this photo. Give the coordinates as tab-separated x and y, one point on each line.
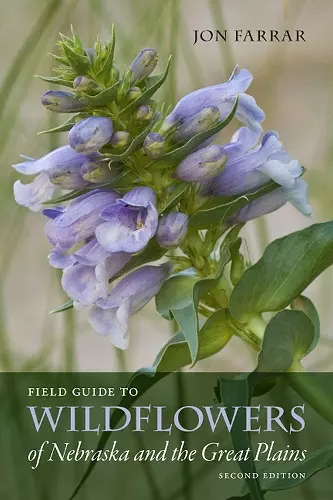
111	316
251	170
79	219
87	283
154	145
222	96
90	134
144	64
34	194
172	229
297	196
62	102
60	260
63	157
202	164
92	253
131	222
67	177
202	121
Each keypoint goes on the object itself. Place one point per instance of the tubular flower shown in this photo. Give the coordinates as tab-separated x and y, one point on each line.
253	169
131	222
222	96
79	219
111	316
297	196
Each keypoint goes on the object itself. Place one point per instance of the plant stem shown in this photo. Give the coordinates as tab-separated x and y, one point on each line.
312	392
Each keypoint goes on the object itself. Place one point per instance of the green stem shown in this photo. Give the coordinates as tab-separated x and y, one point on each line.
313	393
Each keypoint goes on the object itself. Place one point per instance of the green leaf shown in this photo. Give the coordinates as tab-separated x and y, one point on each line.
173	198
219	209
288	338
103	98
151	253
213	337
135	144
176	156
148	93
108	61
314	463
65	127
80	63
304	304
237	392
179	298
56	80
286	268
142	381
64	307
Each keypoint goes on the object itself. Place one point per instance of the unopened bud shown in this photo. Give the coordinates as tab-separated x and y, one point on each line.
120	139
62	102
154	145
133	94
144	112
82	84
90	134
144	64
172	230
96	172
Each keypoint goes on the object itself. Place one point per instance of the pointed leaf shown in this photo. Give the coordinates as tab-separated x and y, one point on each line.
65	127
64	307
103	98
288	338
135	144
56	80
219	209
179	298
286	268
213	337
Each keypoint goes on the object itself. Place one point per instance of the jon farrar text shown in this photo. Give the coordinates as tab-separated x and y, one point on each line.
245	35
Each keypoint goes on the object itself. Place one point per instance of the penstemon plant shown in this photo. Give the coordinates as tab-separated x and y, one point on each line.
140	182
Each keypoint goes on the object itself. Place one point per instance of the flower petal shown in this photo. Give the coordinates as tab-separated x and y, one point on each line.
92	253
33	195
298	196
285	175
138	197
80	283
60	260
107	322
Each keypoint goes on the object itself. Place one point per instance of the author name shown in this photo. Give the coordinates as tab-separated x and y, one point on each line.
241	35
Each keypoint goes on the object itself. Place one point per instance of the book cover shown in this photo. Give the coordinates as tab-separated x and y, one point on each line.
166	250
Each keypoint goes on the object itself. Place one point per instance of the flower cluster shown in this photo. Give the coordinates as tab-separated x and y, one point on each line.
133	178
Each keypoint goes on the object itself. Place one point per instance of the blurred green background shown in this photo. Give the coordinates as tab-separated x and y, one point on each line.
293	83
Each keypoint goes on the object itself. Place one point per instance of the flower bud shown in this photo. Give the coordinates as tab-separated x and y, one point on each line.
154	145
62	102
67	177
96	172
144	112
144	64
172	229
202	121
133	94
90	134
91	53
202	165
120	139
82	84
